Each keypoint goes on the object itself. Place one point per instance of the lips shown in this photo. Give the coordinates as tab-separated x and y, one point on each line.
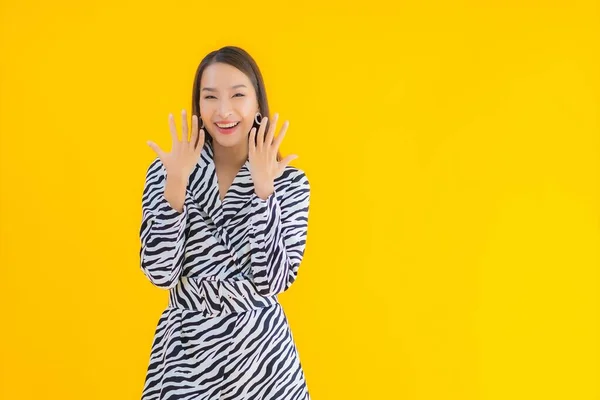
227	124
227	128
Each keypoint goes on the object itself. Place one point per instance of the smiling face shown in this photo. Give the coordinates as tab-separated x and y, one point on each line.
228	104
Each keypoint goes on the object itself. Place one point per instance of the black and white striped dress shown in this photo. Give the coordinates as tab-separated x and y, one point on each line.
224	334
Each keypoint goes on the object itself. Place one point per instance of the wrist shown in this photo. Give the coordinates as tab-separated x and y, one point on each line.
264	191
176	180
175	191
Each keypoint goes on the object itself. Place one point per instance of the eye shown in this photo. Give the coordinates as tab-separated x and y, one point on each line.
239	94
209	97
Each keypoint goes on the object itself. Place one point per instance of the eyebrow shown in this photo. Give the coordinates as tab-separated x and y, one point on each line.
208	89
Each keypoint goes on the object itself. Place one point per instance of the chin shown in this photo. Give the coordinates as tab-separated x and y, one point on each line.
228	141
235	139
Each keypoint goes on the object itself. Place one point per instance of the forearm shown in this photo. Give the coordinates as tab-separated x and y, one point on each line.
277	243
163	227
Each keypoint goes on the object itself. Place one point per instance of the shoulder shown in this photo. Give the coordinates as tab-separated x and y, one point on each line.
292	186
292	178
155	168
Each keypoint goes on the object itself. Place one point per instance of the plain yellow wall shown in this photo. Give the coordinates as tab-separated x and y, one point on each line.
453	152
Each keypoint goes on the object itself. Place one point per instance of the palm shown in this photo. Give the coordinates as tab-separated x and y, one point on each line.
262	153
184	153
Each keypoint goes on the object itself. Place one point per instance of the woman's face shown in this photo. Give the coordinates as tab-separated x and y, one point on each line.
227	97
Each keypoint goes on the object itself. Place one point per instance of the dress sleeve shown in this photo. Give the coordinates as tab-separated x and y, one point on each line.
278	231
162	231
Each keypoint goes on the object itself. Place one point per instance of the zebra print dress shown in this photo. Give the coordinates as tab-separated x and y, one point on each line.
224	334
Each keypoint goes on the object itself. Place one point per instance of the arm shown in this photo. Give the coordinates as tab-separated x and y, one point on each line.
278	236
162	231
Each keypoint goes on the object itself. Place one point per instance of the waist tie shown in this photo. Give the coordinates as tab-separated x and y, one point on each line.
213	297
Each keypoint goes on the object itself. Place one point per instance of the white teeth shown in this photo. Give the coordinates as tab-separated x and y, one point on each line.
227	125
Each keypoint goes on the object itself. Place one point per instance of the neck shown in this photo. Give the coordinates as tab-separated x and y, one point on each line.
230	157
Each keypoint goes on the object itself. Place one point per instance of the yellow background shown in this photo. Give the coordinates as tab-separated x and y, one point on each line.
453	151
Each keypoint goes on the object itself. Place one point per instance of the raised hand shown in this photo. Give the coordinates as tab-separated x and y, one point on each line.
262	154
184	154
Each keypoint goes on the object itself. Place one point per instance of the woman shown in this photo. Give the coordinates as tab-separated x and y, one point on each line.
224	229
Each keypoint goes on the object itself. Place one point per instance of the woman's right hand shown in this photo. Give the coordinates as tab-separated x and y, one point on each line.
184	154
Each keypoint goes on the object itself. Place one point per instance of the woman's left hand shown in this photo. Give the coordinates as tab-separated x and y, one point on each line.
264	166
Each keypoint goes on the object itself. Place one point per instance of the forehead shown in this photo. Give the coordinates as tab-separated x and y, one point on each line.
223	76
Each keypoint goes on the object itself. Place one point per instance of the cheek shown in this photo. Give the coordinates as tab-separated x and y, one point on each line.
205	109
247	111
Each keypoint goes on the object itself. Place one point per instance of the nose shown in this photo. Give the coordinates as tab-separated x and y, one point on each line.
224	109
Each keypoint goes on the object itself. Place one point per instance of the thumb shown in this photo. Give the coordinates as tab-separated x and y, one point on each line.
288	159
284	163
156	149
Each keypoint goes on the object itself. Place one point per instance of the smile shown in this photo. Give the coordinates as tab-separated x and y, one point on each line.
226	126
227	129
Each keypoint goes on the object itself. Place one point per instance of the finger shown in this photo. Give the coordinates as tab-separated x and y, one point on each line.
251	142
194	135
200	143
288	159
156	149
184	126
173	129
284	163
261	134
281	135
272	126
